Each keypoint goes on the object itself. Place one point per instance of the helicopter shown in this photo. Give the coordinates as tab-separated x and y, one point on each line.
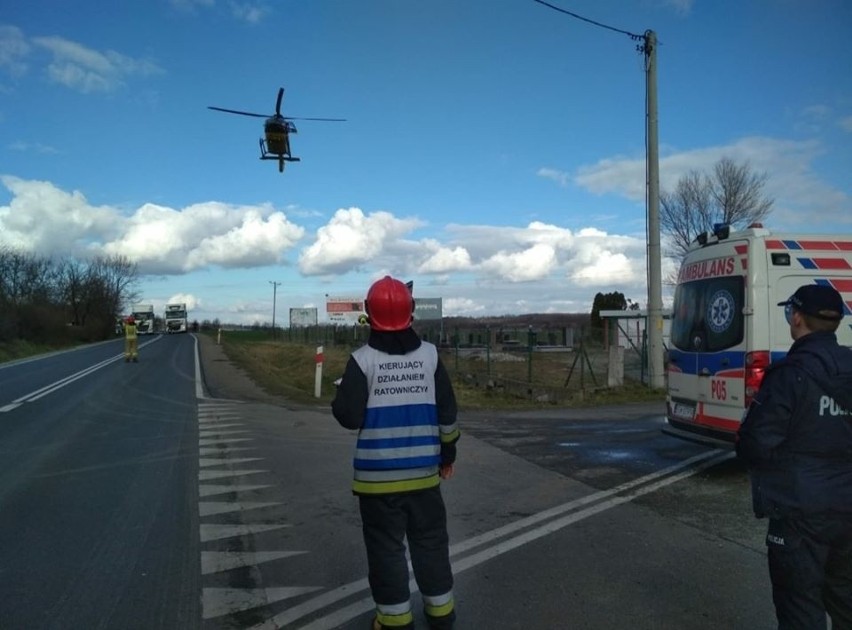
275	145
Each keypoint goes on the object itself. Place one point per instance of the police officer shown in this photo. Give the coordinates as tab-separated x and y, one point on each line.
796	438
396	392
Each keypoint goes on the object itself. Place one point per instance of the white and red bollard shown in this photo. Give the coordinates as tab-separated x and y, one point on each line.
318	376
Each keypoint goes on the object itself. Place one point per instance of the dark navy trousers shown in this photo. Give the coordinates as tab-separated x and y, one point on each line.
387	520
810	564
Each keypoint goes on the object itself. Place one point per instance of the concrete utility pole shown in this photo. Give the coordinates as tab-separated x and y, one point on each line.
274	300
656	369
654	327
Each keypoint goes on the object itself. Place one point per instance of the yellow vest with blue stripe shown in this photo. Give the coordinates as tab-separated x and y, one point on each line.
399	443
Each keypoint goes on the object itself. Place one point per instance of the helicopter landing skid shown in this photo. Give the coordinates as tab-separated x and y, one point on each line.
276	157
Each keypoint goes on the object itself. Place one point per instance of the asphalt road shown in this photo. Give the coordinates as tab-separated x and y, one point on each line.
97	494
145	496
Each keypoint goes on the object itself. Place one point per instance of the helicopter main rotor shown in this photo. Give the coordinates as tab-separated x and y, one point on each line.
276	115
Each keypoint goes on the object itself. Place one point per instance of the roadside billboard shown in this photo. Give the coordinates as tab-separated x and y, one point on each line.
302	317
427	309
344	310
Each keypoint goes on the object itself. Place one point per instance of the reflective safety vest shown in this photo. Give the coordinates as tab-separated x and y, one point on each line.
130	331
399	444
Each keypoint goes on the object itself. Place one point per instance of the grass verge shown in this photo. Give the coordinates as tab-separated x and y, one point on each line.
288	369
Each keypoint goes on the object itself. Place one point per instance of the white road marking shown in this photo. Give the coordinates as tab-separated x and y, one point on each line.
209	490
660	479
204	462
207	425
211	508
217	424
216	602
208	434
56	385
207	475
216	561
212	441
205	451
208	532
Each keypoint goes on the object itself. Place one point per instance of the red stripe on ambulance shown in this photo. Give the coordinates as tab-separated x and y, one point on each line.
831	263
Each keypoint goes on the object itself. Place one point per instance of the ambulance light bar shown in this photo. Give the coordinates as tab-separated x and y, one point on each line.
721	231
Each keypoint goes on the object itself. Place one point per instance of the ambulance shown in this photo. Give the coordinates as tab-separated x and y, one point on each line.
727	328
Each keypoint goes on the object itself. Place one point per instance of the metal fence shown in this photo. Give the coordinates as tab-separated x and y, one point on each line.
547	365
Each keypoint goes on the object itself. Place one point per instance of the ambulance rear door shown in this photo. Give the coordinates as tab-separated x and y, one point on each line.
706	360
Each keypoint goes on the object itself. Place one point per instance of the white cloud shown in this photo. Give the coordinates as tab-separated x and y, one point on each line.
44	219
204	235
682	7
192	302
605	269
461	306
477	268
13	49
351	239
622	175
845	123
85	70
35	147
189	5
249	12
445	259
541	251
800	195
560	177
533	263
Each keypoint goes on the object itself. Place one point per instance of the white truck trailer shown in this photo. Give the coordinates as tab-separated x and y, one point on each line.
144	316
175	318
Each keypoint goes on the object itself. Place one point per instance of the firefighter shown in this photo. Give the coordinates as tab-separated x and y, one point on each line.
396	392
131	341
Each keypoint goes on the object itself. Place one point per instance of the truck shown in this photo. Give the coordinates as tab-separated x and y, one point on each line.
144	316
175	318
727	327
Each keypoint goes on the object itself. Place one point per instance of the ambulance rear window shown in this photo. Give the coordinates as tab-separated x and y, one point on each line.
708	314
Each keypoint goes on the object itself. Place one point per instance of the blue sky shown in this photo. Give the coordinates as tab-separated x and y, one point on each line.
494	150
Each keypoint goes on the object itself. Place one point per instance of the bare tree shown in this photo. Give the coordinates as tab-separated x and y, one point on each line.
733	195
40	298
107	286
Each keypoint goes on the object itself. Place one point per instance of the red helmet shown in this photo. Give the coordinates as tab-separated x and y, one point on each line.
389	305
130	320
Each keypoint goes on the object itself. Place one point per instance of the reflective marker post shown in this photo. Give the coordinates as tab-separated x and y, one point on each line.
318	376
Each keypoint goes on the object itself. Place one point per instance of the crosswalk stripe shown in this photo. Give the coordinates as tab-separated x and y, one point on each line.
208	490
207	475
204	462
221	430
208	532
212	441
211	432
207	425
209	450
216	561
210	508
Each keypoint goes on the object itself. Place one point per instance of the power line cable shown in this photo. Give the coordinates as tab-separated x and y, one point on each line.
633	36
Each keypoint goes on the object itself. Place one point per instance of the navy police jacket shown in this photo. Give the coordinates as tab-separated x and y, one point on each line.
397	394
796	436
